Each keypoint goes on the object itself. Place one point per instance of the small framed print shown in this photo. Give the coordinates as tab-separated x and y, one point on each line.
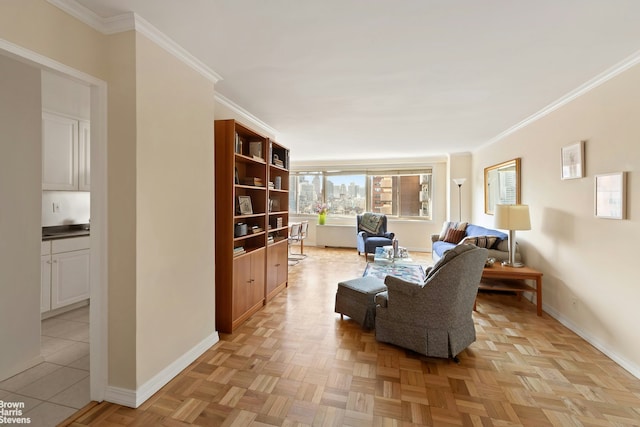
610	195
244	204
255	149
274	205
573	161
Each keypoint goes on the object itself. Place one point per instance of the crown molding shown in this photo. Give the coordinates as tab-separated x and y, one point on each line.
130	21
244	113
601	78
81	13
144	27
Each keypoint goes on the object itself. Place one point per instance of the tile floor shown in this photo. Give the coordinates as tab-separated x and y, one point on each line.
58	387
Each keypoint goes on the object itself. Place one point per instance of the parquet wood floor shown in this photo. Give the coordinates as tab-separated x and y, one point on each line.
295	363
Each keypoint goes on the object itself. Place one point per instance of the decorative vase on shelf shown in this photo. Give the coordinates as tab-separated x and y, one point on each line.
322	218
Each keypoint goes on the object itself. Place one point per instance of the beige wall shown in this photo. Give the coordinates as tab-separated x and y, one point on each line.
41	27
20	192
589	264
174	225
121	177
160	205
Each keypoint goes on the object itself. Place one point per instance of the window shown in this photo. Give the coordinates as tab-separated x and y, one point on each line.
405	194
345	194
305	192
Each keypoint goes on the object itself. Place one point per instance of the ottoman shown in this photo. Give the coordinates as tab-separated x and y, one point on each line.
356	299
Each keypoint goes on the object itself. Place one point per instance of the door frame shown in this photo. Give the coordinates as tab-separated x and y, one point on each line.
98	329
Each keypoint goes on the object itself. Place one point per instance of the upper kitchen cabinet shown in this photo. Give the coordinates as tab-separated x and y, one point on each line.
84	156
65	153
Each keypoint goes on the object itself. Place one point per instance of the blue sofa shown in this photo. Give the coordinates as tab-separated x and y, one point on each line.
498	250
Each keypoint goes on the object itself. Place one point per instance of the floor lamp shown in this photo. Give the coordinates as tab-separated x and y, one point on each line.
512	218
459	182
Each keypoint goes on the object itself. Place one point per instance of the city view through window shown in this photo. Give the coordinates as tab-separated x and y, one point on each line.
400	195
343	194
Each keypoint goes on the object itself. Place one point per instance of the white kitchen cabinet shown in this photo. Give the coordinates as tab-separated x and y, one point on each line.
45	283
66	270
84	156
45	276
69	277
65	153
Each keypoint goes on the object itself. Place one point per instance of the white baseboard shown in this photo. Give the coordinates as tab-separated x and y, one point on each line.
135	398
627	365
57	311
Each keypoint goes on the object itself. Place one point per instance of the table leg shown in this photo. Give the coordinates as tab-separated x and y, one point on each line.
539	295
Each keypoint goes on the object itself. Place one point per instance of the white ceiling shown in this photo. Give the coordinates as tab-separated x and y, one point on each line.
376	79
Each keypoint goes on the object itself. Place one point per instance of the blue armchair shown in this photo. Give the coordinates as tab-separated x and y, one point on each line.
367	240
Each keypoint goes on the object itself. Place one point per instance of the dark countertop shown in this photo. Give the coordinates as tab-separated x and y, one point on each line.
65	231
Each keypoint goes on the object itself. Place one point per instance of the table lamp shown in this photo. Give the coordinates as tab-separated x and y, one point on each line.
512	218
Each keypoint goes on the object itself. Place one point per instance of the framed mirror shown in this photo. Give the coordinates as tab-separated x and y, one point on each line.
501	185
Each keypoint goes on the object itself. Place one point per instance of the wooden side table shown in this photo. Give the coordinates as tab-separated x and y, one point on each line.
502	278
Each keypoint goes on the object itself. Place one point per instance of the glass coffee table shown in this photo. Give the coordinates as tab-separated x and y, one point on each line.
402	267
381	257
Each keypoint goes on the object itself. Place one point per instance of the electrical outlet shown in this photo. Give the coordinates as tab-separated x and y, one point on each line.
56	207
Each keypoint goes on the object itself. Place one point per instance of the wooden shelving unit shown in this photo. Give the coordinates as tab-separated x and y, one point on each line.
251	222
277	220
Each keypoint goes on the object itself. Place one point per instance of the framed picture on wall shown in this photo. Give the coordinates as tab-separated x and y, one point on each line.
573	160
610	197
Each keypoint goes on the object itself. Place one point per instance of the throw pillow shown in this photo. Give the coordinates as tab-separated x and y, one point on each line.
451	224
445	227
454	236
479	241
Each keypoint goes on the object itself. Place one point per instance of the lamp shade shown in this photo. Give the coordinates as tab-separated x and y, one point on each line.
512	217
459	181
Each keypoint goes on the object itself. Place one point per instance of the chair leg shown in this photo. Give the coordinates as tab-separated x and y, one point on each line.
295	258
295	255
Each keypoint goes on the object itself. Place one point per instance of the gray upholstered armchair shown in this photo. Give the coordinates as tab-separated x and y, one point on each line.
434	318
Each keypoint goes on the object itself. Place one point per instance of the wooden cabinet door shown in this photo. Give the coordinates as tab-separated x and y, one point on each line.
248	282
277	267
283	263
241	286
258	258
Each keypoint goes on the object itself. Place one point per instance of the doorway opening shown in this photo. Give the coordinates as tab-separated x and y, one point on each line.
98	202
